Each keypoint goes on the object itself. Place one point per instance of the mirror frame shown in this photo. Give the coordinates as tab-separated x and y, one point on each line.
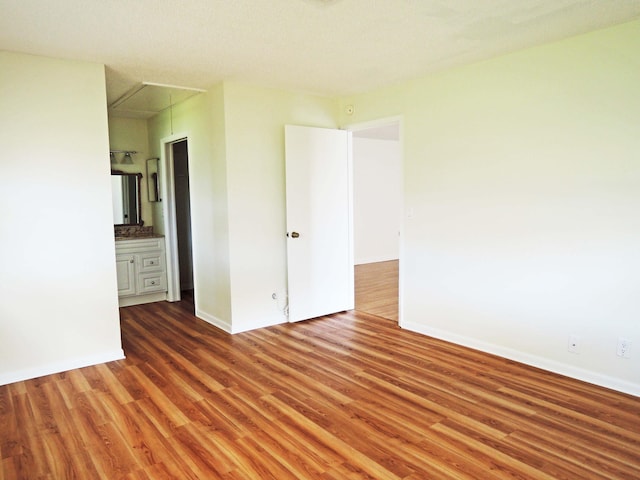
140	222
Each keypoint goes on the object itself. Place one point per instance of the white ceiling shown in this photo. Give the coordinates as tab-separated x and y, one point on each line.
328	47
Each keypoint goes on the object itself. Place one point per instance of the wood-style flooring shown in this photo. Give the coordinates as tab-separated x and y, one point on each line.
376	289
348	396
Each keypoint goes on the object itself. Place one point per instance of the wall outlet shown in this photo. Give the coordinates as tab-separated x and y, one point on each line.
624	347
574	344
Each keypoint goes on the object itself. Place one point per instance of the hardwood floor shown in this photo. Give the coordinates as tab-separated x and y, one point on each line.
347	396
187	301
376	289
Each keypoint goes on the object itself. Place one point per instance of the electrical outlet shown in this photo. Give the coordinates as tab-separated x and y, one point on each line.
574	344
624	347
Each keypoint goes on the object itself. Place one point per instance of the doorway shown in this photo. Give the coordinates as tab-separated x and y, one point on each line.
377	216
177	219
183	218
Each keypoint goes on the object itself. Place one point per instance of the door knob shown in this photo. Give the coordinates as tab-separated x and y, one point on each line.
295	234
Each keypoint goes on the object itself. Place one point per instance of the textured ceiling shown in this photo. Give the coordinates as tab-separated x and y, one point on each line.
328	47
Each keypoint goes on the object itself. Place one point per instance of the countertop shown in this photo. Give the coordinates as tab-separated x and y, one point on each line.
138	237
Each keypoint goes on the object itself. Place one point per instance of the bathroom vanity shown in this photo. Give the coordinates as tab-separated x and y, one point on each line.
142	270
140	254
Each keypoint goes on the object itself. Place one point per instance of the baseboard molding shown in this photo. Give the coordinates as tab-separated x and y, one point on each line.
140	299
213	320
57	367
227	327
531	360
263	323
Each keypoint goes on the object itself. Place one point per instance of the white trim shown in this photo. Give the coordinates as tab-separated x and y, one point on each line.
262	323
57	367
351	280
215	321
380	122
528	359
141	299
176	87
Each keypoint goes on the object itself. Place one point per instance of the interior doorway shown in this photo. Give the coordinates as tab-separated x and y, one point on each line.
177	220
376	289
377	216
183	217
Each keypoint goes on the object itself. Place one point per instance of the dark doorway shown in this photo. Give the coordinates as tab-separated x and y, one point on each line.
183	217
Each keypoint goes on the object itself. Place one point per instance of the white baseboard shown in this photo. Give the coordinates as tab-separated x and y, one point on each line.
213	320
262	323
532	360
57	367
140	299
227	327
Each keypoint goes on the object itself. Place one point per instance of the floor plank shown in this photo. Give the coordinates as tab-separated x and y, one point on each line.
376	289
347	396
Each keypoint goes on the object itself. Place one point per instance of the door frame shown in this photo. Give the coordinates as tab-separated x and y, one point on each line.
381	122
167	180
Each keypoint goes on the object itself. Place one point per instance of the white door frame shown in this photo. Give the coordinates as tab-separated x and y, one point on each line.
169	213
381	122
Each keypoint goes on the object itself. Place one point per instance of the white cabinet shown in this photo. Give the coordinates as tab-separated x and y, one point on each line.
125	268
142	271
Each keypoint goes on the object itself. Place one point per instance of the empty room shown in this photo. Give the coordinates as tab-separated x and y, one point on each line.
320	239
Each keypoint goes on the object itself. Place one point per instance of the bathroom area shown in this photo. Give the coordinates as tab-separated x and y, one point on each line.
142	259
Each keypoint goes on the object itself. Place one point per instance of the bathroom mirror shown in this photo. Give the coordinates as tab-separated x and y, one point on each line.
125	188
153	179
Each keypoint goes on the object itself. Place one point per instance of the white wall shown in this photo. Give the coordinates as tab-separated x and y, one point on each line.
201	120
377	199
236	169
255	119
58	301
523	177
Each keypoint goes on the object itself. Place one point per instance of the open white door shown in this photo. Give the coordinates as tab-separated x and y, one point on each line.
319	227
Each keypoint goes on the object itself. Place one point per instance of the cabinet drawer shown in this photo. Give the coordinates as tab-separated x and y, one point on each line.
148	283
139	245
151	262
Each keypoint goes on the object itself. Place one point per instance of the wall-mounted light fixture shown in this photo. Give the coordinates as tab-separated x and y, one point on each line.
127	159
